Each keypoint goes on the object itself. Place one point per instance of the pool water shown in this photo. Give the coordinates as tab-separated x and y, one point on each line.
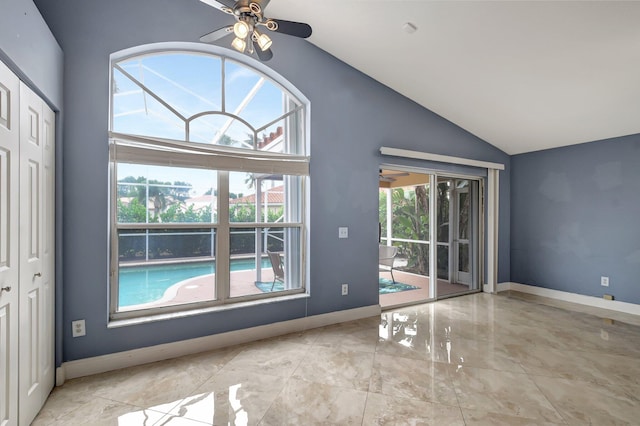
144	284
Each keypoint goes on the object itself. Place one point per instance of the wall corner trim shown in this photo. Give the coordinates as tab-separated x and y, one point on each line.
581	299
118	360
60	375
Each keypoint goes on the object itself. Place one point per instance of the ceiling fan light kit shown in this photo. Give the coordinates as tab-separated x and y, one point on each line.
241	29
249	15
263	40
239	44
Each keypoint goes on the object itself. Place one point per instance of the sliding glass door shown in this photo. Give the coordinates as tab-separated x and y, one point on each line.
459	235
405	223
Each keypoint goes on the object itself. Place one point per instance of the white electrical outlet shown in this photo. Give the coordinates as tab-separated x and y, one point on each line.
78	328
345	289
343	232
604	281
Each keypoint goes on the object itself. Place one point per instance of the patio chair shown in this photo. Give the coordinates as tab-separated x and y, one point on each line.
276	265
386	256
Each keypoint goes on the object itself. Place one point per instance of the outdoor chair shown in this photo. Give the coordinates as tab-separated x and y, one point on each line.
386	256
276	265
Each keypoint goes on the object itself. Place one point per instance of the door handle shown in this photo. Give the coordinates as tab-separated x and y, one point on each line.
7	289
37	274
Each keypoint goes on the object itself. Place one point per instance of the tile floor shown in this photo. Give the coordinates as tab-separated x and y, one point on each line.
478	359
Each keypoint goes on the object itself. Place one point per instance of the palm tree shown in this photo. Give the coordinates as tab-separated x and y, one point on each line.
250	180
154	193
422	226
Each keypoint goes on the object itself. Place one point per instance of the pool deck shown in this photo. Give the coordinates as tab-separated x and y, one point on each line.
202	288
421	294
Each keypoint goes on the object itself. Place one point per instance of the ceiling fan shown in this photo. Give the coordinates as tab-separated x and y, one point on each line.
249	16
386	176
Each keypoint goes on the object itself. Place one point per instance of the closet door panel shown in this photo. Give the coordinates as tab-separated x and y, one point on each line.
32	389
9	260
47	355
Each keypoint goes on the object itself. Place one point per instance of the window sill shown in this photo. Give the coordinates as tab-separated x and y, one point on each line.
122	322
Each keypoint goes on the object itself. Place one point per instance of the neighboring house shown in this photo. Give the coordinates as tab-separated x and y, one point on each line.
272	142
201	202
271	198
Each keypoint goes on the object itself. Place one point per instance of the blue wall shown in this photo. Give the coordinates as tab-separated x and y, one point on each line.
575	217
351	117
30	50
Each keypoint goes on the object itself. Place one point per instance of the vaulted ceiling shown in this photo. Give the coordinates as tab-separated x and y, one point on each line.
522	75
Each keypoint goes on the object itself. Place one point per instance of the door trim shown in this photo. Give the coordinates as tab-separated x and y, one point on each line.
491	200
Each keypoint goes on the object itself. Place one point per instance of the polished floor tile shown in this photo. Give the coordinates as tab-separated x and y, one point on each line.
508	359
410	378
393	410
337	367
308	403
231	397
582	403
502	392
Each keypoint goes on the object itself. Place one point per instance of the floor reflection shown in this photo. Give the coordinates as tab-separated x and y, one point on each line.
477	359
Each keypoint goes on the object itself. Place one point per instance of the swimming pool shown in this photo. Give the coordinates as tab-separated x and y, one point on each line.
144	284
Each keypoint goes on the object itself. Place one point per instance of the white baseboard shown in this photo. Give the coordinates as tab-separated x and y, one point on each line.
503	287
613	305
109	362
499	287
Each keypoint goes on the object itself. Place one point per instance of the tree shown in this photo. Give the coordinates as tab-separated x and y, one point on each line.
180	191
250	180
382	214
176	214
227	140
134	212
130	190
410	221
422	218
161	194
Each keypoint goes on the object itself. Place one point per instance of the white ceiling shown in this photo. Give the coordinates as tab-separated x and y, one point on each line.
522	75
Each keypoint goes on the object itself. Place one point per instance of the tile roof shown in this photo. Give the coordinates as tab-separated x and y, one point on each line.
275	195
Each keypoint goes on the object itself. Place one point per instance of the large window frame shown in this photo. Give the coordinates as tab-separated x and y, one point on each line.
291	166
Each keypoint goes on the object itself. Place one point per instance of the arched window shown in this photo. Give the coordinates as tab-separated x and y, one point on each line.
208	171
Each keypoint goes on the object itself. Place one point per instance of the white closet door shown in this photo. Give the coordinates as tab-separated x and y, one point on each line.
36	291
9	261
48	253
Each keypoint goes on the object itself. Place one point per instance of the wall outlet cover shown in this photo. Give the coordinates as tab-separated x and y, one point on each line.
78	328
343	232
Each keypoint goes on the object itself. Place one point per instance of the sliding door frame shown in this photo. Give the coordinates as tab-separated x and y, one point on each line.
487	204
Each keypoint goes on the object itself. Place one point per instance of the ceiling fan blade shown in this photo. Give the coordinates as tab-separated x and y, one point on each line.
263	55
220	4
297	29
217	34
